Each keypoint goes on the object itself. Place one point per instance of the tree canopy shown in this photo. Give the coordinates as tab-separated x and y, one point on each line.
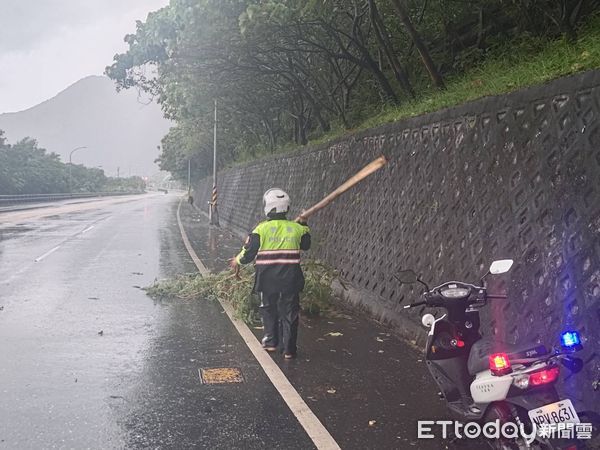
284	71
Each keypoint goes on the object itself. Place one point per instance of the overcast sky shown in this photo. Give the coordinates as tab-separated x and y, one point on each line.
47	45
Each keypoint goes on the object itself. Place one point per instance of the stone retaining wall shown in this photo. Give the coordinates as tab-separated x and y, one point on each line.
514	176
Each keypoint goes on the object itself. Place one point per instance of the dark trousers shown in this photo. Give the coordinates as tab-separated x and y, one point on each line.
279	314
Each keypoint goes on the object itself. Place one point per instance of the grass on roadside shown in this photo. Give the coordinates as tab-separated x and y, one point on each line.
527	62
521	63
316	298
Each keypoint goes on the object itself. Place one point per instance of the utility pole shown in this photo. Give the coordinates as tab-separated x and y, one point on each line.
189	176
70	164
213	214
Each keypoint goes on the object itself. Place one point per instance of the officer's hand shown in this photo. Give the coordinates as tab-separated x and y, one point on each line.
301	219
233	264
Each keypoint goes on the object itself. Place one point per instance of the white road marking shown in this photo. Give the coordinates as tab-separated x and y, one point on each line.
70	237
199	264
311	424
48	253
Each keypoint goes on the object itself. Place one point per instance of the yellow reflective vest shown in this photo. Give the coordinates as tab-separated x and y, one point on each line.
275	246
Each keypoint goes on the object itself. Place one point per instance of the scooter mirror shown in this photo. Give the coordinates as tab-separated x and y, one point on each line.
427	320
501	266
407	276
573	364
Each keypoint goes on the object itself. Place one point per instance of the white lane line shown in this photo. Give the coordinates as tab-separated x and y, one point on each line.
199	264
48	253
311	424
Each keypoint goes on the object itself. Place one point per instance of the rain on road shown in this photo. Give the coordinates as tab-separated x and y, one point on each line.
87	360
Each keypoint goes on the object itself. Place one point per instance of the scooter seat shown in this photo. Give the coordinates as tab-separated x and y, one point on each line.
483	348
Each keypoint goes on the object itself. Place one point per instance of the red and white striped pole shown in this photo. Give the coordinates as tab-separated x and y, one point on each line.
213	213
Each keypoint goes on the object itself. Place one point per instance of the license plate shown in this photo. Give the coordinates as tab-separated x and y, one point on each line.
559	412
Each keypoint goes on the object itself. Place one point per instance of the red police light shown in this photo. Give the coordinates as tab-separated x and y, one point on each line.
544	376
499	364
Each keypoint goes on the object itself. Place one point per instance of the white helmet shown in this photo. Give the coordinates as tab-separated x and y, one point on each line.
277	201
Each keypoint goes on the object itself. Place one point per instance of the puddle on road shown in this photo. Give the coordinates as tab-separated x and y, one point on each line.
15	229
12	231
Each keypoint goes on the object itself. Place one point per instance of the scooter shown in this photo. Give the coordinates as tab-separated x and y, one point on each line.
485	381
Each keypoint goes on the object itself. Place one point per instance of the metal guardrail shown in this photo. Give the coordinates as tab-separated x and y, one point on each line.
30	198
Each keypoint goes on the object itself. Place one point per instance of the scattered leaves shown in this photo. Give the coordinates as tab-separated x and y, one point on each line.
315	298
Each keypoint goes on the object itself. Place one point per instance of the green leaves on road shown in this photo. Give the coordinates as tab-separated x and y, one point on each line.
316	298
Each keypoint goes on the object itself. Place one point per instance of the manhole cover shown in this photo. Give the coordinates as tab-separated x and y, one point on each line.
221	375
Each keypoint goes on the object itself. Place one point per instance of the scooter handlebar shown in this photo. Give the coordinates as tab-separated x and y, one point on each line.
412	305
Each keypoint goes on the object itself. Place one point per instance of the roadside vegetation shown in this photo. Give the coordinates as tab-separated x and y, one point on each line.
526	62
316	298
26	168
286	72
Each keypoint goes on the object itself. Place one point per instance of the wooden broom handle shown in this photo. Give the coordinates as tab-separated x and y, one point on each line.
373	166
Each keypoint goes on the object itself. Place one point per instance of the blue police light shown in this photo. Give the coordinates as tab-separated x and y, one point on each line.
570	340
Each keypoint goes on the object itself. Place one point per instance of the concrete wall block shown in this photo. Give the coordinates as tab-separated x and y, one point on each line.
508	176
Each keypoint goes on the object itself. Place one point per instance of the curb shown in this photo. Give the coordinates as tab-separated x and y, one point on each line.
311	424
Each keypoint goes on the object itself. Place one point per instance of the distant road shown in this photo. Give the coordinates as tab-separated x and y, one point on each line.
28	211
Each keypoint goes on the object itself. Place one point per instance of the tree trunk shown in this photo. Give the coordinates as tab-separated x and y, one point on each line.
301	129
436	77
385	44
324	124
569	16
365	60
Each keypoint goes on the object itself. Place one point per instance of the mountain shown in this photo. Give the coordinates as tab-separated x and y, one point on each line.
120	130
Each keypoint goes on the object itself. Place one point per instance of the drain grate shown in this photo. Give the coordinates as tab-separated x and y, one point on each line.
221	375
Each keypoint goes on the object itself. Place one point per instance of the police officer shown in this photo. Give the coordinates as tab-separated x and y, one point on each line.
276	245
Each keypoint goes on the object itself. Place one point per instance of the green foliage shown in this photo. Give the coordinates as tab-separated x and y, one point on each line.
27	169
524	62
132	184
224	286
286	71
317	290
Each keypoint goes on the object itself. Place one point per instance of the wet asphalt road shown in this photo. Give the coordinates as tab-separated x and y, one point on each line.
87	360
366	385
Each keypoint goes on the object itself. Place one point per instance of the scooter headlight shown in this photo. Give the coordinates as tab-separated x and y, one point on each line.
456	292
